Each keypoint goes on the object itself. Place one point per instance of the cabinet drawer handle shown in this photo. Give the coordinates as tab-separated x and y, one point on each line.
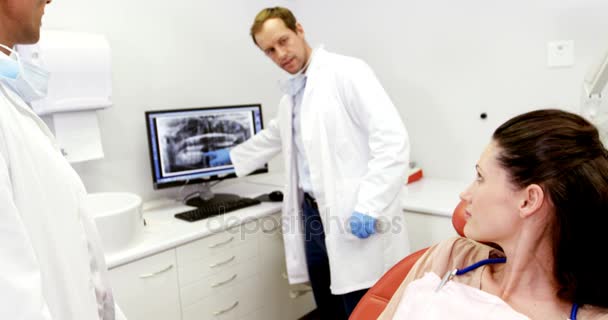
298	293
219	244
150	275
221	283
217	264
271	230
217	313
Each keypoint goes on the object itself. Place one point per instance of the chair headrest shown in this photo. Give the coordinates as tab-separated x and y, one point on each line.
458	217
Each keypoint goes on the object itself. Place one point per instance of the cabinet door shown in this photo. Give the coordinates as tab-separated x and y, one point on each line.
427	229
271	265
285	302
147	289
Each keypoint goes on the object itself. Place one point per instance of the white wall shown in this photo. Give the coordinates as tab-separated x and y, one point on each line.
166	55
442	61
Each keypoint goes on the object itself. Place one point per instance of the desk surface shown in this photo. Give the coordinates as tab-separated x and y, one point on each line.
433	196
163	231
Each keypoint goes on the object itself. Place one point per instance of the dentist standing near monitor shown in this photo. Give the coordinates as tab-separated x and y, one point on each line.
51	262
346	154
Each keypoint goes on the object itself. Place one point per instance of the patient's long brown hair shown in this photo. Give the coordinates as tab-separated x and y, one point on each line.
562	152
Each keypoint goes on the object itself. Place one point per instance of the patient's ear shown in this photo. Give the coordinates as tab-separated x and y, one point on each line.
532	198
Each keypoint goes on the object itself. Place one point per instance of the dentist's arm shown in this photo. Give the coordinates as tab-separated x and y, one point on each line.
388	141
258	150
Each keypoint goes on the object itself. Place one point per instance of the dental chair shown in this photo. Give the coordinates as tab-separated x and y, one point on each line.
375	300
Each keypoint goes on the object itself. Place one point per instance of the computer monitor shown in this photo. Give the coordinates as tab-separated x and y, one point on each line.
179	139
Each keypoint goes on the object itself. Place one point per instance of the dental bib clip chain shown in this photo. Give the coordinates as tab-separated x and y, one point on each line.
456	272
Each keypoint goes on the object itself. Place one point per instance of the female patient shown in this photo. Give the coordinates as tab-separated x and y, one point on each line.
540	203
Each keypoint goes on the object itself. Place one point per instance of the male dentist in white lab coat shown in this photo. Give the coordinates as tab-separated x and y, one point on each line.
51	262
346	154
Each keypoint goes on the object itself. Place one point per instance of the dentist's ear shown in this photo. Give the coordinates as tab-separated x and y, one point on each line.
532	200
299	29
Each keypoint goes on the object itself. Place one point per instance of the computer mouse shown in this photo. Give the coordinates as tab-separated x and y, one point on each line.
276	196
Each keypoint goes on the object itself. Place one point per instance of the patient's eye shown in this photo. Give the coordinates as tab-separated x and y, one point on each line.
478	177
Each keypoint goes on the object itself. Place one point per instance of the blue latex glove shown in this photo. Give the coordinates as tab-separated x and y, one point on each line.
362	225
218	157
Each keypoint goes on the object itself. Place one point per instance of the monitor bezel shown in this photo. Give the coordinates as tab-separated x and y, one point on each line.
162	185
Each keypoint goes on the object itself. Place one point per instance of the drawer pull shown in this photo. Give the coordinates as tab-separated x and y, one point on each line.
221	283
153	274
219	244
234	305
217	264
271	230
298	293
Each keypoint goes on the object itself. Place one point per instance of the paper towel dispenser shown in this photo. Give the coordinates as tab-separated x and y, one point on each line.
80	67
80	83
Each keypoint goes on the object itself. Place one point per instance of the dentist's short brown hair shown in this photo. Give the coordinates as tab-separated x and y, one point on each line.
271	13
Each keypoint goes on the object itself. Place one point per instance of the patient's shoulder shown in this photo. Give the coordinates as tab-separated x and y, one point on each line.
457	252
464	248
452	253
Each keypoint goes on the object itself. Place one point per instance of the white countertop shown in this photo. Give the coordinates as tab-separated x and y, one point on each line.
163	231
433	196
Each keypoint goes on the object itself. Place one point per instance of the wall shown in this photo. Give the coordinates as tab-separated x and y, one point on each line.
166	55
442	61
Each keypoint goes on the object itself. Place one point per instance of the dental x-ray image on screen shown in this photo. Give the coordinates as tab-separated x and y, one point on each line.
180	139
184	140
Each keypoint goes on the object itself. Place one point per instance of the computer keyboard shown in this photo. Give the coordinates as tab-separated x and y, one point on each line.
217	208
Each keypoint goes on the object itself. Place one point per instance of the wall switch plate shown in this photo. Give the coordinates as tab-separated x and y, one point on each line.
560	53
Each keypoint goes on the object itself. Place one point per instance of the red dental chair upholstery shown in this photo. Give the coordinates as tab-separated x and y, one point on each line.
375	300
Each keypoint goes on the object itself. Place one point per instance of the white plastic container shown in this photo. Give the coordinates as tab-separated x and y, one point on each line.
118	217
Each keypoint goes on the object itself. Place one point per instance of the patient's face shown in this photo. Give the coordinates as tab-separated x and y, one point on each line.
492	214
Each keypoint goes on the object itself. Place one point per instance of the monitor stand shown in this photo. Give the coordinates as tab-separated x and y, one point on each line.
206	197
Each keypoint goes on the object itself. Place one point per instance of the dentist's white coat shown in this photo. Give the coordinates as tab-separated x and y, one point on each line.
51	261
357	150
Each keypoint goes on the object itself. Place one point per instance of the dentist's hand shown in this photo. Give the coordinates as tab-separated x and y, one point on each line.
218	157
362	225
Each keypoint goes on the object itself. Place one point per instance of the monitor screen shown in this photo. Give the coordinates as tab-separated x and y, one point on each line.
179	139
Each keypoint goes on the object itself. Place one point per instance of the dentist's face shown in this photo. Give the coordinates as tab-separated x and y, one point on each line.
22	20
288	49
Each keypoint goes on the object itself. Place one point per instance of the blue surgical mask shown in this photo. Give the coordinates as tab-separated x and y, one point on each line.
294	84
29	80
